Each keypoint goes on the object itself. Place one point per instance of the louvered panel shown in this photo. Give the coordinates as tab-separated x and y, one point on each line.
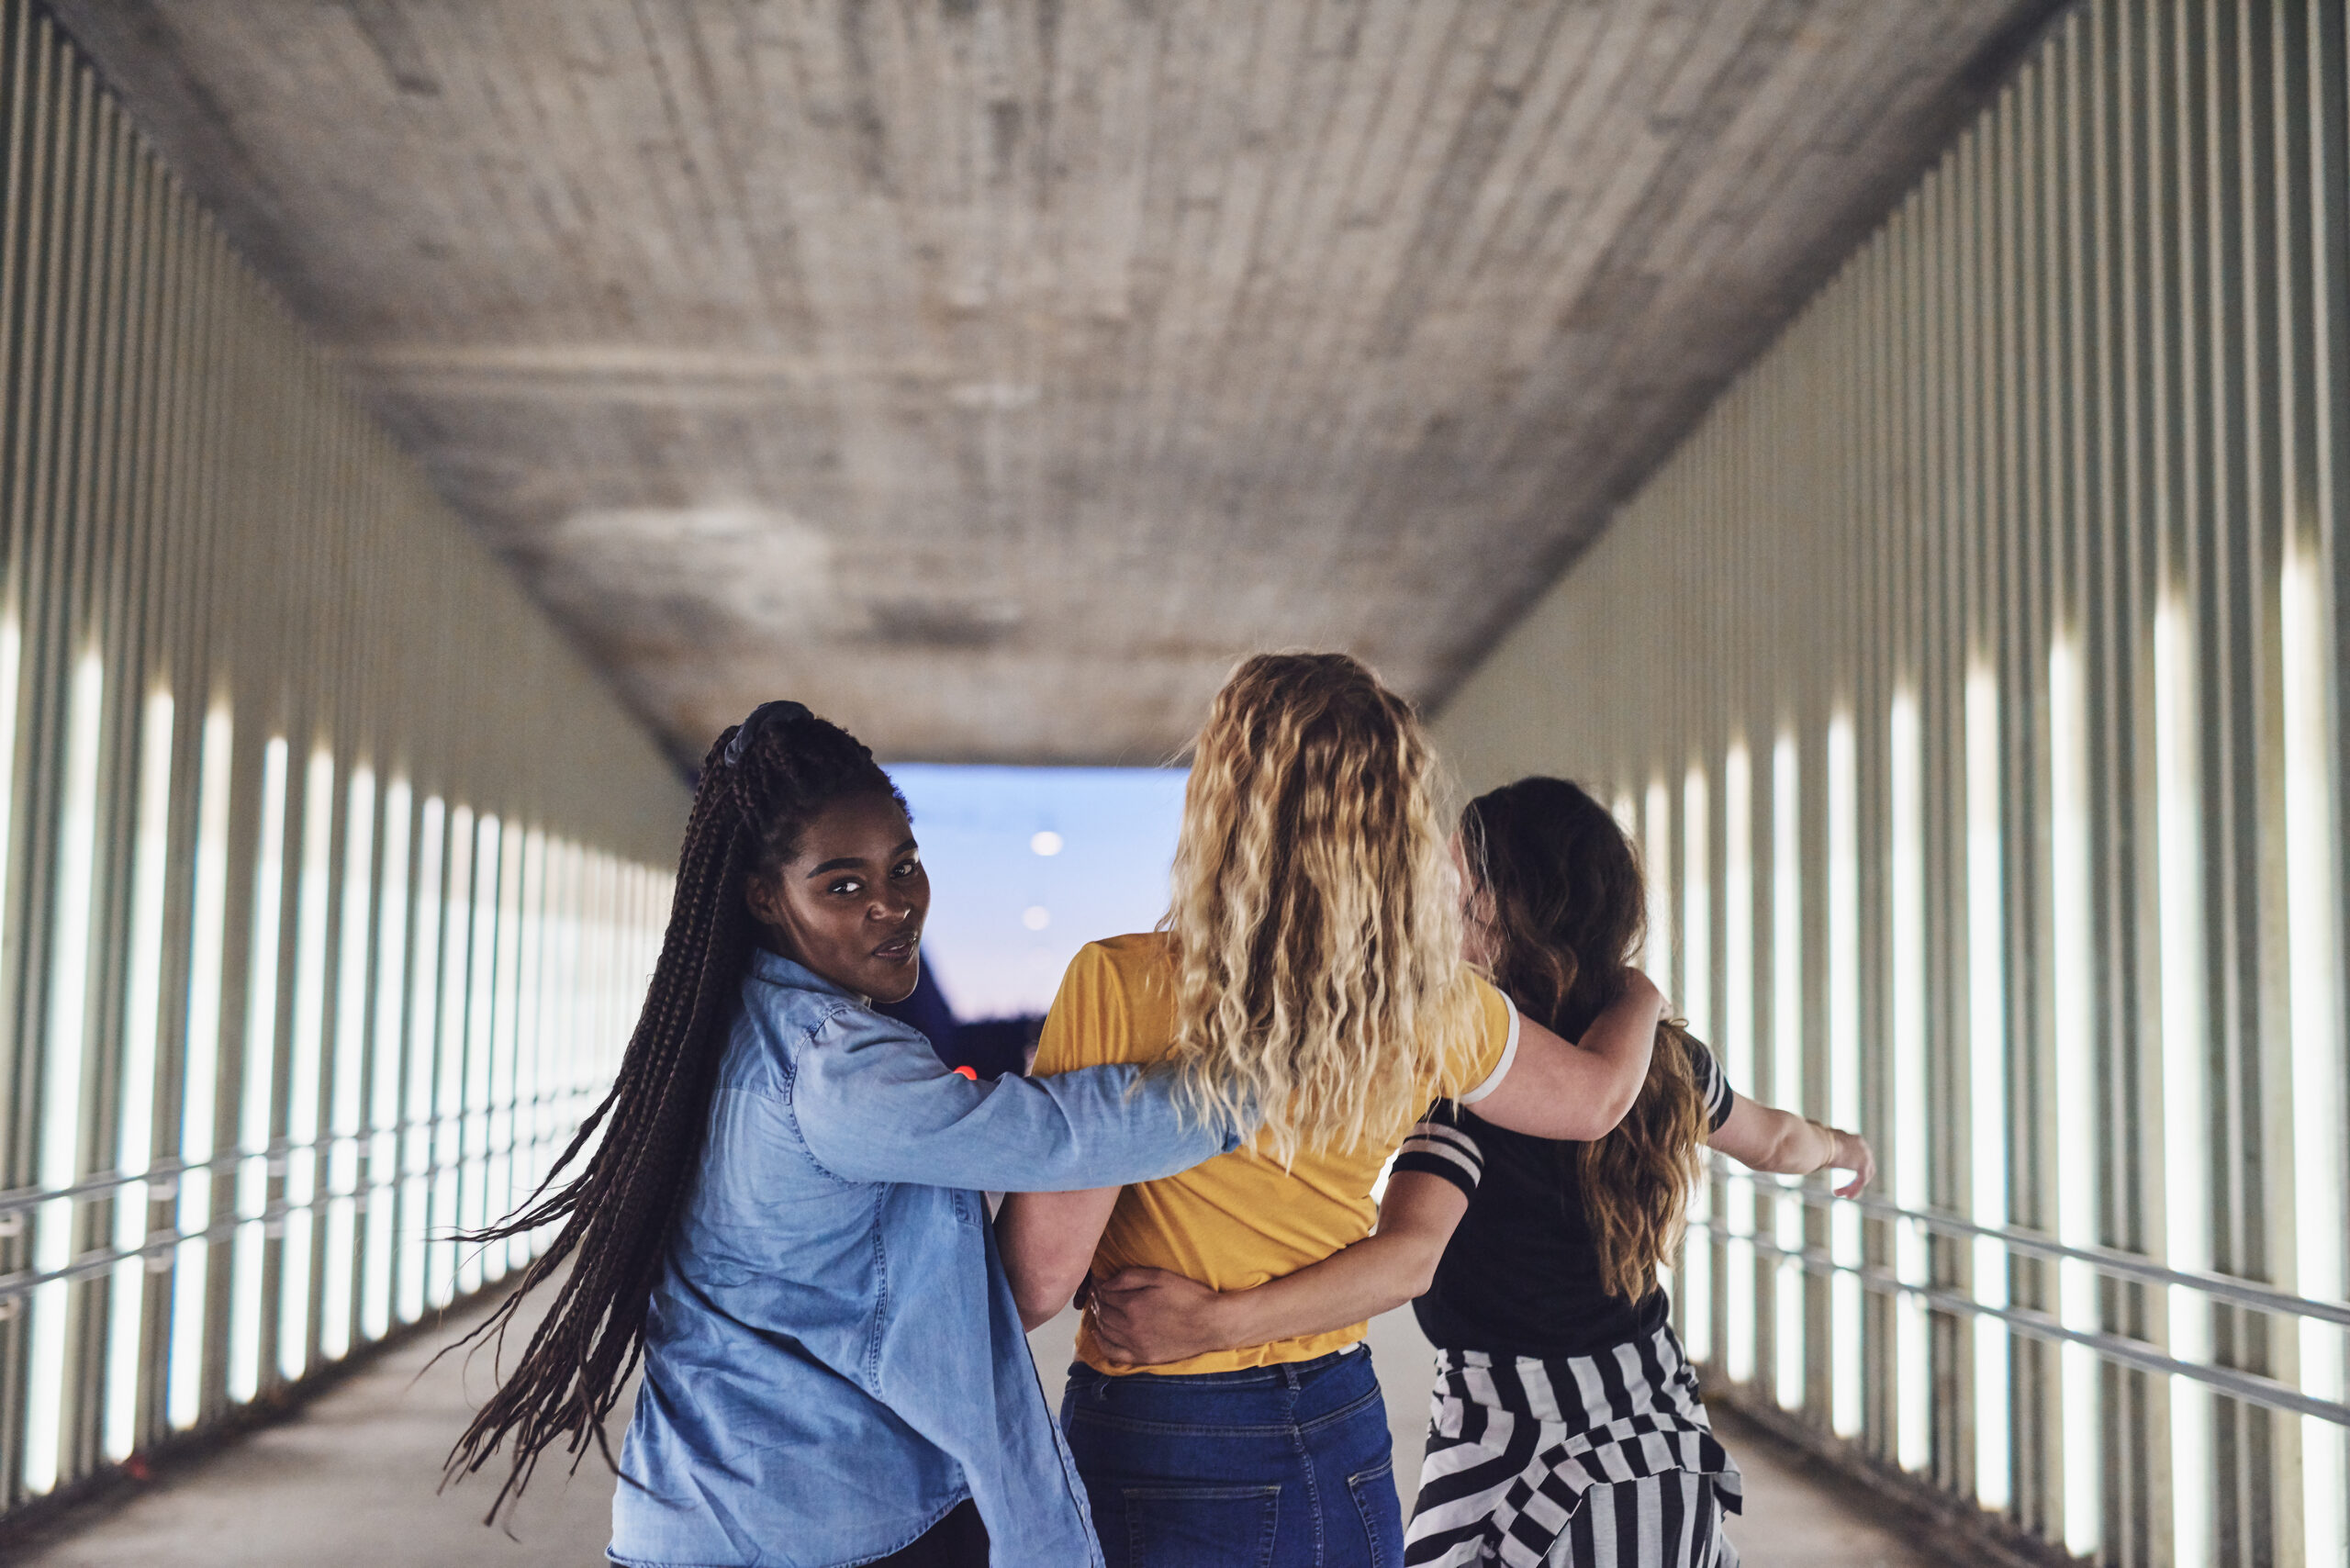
245	657
2028	532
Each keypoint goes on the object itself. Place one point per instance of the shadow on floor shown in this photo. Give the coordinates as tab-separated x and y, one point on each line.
350	1483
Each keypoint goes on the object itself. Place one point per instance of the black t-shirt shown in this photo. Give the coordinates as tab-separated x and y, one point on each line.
1521	1275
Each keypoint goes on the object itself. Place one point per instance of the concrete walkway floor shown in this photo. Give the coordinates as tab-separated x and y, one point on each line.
349	1484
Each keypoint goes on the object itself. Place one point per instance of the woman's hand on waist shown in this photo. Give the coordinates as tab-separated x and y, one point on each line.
1149	1317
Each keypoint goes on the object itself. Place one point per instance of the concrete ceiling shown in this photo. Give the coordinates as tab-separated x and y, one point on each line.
988	374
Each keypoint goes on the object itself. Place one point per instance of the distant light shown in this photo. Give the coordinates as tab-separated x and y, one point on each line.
1046	842
1000	396
1036	917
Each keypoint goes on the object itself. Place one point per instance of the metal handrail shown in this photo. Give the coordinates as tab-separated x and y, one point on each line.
2104	1259
104	1182
162	1243
2251	1388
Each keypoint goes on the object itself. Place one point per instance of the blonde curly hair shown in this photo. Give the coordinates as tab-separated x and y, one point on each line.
1315	911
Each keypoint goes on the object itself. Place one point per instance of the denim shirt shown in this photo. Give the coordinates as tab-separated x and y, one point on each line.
832	1360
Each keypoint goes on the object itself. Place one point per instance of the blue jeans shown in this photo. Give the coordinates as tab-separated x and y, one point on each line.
1274	1467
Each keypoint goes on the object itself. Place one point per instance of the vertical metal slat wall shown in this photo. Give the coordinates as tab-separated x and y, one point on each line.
329	875
1972	679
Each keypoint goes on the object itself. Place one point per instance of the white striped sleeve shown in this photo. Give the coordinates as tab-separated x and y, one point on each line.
1712	1084
1501	1069
1437	1149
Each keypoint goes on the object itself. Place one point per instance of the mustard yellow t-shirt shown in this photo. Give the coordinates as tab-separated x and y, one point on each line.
1239	1219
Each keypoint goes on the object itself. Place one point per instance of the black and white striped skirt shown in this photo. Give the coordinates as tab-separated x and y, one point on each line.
1606	1460
1672	1520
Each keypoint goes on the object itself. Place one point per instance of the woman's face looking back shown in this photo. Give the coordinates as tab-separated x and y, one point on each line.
850	903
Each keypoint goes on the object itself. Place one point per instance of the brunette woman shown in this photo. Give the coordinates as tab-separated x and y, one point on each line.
1309	964
783	1220
1565	1426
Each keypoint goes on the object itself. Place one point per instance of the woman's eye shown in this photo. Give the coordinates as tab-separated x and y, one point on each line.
848	885
905	868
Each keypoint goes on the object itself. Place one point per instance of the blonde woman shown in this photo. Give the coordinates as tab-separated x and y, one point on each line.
1309	966
1565	1428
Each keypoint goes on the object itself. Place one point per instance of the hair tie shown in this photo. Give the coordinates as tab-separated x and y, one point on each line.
765	713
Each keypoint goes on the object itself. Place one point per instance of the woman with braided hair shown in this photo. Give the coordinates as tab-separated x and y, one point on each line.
784	1221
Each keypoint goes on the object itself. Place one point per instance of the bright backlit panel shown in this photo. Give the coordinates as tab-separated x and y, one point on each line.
64	1062
1737	1045
1786	1056
1987	1048
2077	1087
2314	952
1697	1006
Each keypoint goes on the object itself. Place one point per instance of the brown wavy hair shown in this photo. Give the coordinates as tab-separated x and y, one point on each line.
1315	914
1560	891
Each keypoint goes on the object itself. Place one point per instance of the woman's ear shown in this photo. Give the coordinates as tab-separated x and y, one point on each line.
763	894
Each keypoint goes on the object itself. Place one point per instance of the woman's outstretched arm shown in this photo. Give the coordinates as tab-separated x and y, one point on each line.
873	1103
1763	1138
1150	1318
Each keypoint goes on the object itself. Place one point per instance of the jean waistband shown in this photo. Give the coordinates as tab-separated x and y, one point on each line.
1289	1373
